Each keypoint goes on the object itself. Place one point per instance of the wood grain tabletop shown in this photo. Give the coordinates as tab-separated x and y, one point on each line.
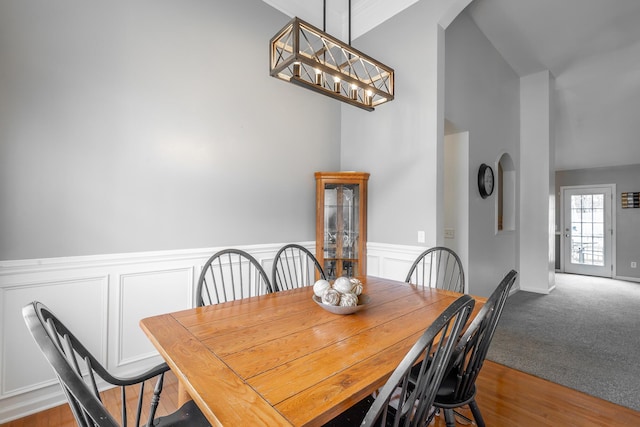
282	360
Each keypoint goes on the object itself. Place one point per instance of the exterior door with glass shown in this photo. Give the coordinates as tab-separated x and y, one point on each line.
588	230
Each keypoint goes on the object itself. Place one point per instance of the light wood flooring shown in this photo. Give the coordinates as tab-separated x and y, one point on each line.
506	398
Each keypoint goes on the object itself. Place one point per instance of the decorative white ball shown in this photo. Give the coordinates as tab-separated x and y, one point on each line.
349	299
342	285
356	286
357	289
320	287
331	297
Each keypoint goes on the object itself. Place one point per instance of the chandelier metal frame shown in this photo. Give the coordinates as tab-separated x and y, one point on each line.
307	56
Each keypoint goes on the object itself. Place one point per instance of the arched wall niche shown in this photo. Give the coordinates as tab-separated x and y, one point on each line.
506	200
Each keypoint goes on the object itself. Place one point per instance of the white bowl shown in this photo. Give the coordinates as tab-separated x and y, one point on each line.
363	300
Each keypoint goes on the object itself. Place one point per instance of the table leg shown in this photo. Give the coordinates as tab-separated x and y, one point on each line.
183	395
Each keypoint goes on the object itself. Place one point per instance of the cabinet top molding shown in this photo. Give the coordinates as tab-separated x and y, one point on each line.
343	175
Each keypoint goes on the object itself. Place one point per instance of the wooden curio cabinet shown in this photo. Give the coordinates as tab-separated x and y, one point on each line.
341	223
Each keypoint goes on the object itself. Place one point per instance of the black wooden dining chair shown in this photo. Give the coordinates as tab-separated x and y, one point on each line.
294	266
81	376
402	401
228	275
458	386
437	267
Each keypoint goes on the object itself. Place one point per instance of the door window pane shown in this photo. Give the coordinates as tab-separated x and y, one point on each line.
587	229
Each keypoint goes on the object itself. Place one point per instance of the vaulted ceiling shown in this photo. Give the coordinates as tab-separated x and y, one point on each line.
591	47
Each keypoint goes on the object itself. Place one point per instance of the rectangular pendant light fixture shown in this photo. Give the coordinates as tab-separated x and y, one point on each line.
306	56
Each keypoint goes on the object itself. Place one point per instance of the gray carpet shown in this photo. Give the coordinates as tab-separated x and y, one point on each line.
585	335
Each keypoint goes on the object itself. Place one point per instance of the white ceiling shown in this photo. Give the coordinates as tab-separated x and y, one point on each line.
365	14
591	47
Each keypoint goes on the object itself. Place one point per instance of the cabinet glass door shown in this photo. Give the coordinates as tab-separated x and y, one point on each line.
341	217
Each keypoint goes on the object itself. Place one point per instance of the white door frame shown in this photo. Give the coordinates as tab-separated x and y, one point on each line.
612	233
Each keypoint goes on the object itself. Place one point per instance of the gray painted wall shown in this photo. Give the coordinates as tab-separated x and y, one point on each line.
152	124
482	97
398	143
401	143
626	178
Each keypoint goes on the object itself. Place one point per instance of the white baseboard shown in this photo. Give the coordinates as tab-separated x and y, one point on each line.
628	279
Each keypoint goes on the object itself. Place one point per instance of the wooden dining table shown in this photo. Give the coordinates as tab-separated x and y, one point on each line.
282	360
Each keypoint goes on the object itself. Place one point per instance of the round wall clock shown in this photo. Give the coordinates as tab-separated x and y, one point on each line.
485	180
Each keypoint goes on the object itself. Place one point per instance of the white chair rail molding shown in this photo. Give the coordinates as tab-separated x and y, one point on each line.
110	294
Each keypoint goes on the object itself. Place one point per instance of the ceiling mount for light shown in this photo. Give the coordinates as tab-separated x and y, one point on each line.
307	56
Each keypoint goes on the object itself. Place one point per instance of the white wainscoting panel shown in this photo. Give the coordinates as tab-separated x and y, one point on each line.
103	298
391	261
143	295
23	367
